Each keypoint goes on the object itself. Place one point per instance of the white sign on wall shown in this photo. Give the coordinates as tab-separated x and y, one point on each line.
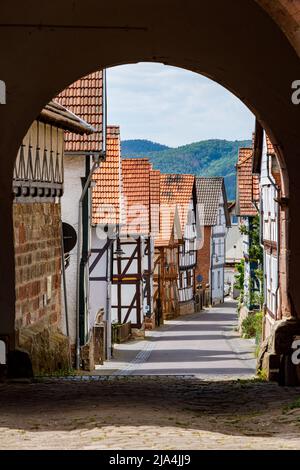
296	93
2	352
2	92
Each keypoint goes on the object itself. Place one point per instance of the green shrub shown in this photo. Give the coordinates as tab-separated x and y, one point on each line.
262	375
252	326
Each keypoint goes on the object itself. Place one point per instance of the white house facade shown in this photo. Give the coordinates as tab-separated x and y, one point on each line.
270	226
234	250
218	250
212	199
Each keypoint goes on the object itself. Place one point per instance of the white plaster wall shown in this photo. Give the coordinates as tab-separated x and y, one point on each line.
219	232
99	290
128	290
74	169
234	245
269	206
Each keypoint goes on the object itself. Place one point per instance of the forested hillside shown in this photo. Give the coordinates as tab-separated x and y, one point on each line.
205	158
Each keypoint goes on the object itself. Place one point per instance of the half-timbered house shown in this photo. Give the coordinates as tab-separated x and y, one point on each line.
167	279
121	263
38	184
265	165
212	201
133	259
179	191
86	98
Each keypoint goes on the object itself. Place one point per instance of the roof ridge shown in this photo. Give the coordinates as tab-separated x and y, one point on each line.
210	177
180	174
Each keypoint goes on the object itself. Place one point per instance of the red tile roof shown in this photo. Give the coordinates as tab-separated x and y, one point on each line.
270	148
106	195
136	191
175	195
154	201
84	98
125	190
248	184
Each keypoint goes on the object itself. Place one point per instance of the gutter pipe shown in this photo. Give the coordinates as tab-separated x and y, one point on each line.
96	164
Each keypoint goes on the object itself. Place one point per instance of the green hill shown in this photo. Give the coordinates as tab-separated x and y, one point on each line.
205	158
141	145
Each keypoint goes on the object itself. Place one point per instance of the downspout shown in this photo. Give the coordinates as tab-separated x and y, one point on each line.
79	253
64	283
108	299
65	293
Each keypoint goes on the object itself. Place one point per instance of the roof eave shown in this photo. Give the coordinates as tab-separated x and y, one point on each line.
57	115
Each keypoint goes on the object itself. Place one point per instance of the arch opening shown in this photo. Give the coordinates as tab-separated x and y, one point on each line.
42	132
247	75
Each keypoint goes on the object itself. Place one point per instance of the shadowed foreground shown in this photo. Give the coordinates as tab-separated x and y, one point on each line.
135	412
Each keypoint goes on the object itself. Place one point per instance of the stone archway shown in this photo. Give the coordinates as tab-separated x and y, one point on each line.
45	48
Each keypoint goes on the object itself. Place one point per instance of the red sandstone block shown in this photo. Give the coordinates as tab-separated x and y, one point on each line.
22	234
53	318
35	304
21	293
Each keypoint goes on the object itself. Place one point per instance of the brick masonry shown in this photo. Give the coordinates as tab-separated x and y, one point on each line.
38	285
203	258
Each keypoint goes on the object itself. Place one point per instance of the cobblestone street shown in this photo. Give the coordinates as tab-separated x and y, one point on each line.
132	404
149	413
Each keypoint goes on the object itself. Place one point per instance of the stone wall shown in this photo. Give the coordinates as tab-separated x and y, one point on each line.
186	308
37	239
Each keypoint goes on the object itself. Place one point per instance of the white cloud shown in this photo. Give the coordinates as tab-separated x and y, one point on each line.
173	106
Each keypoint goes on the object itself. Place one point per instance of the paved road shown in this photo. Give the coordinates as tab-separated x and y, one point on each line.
204	345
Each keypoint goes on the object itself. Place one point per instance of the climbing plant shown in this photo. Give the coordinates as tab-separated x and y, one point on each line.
256	296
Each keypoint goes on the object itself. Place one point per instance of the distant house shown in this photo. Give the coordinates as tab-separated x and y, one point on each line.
166	264
247	209
86	98
122	255
132	298
212	202
234	249
178	199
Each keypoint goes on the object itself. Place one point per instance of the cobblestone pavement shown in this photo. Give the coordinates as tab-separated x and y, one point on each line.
197	405
154	412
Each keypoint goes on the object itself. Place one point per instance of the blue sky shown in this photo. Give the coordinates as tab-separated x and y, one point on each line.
173	106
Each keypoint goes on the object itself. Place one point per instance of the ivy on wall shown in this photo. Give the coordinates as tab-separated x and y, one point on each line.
255	297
